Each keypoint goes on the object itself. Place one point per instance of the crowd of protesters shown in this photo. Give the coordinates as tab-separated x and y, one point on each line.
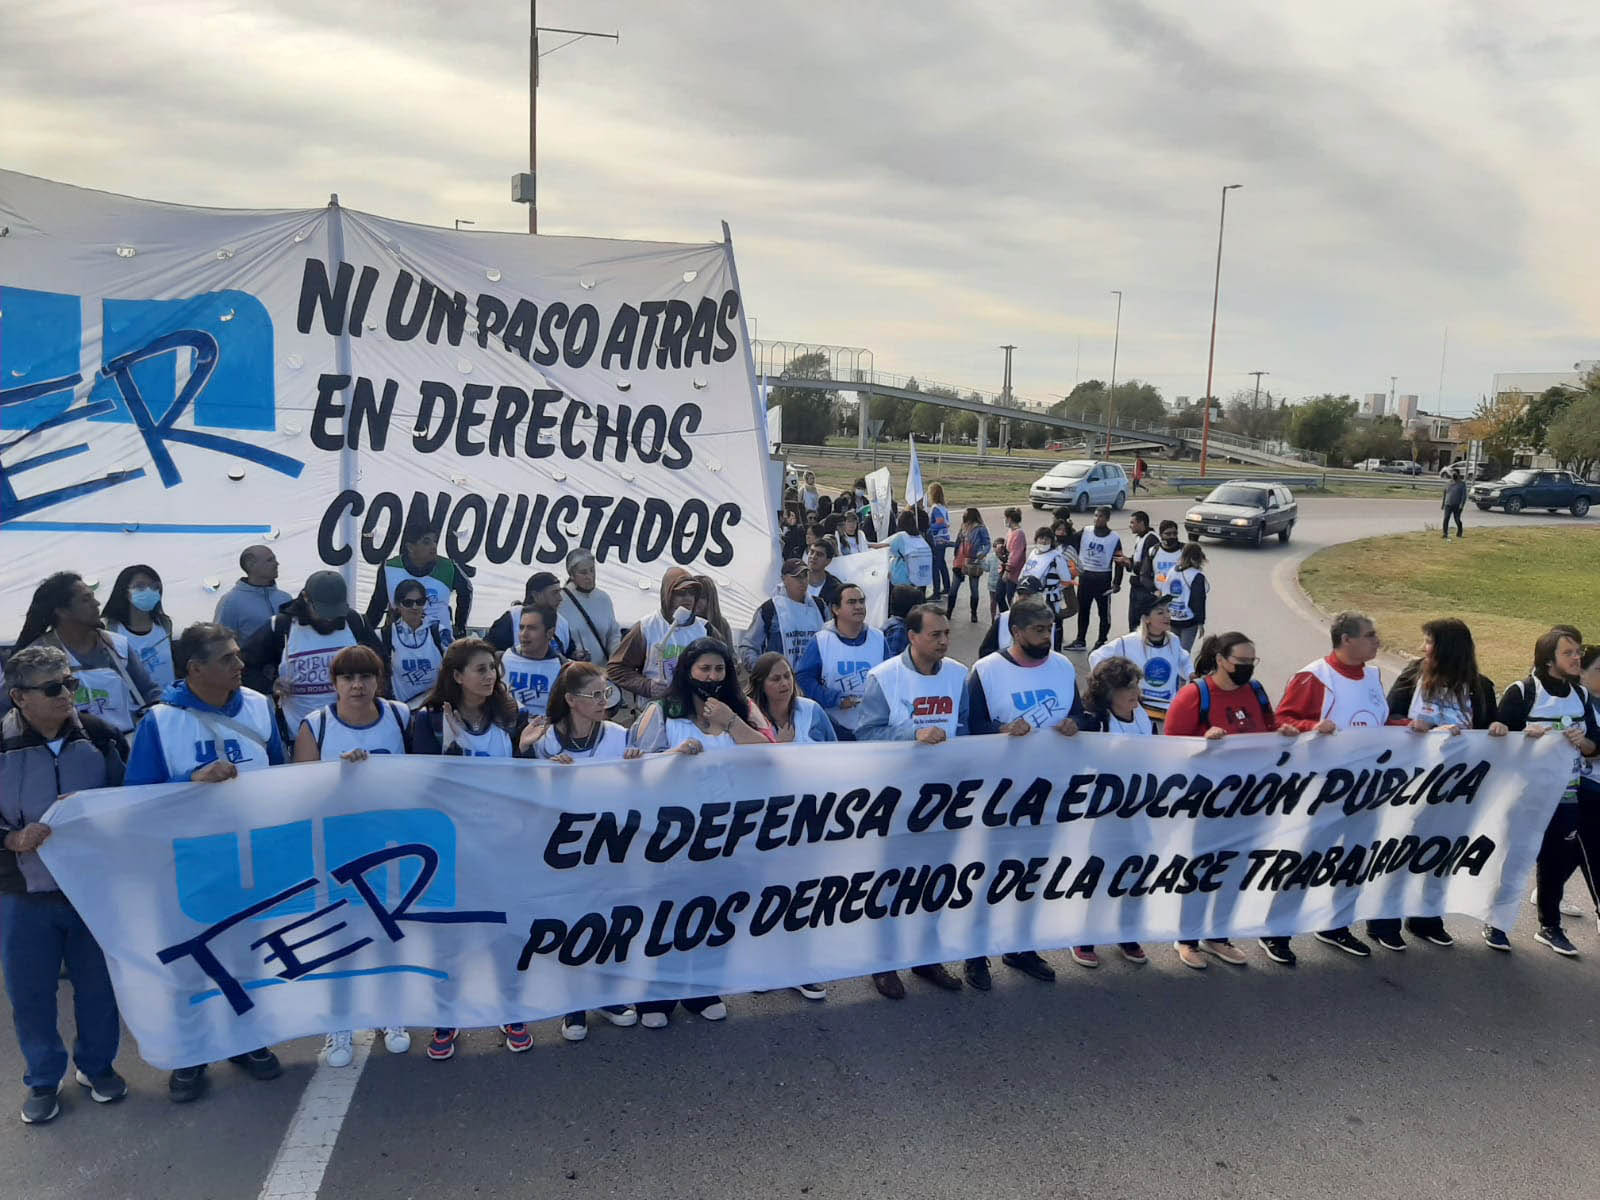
101	695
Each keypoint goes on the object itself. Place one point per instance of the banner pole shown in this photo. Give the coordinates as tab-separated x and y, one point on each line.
341	359
758	411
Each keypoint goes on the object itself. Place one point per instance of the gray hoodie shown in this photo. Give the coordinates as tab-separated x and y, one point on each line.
245	608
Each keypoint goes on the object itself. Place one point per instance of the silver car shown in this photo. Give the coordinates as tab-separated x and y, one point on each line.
1082	483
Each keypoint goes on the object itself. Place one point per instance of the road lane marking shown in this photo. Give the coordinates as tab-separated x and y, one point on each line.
308	1144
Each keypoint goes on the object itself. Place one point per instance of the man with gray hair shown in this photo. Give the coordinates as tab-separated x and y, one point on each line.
48	748
588	610
256	598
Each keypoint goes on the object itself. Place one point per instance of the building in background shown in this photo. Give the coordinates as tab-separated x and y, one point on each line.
1405	407
1372	404
1534	383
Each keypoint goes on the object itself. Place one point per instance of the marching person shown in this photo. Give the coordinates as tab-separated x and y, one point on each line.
208	728
1454	500
470	713
910	556
1100	560
47	749
411	646
1441	690
419	559
1014	691
1341	691
112	681
1225	698
1054	566
833	669
787	623
849	534
1552	702
256	598
291	654
972	547
1016	544
543	590
821	583
1114	691
1164	665
134	610
642	662
1140	470
531	668
937	536
1141	584
703	711
919	696
574	729
359	724
809	496
590	618
1162	558
999	635
1189	588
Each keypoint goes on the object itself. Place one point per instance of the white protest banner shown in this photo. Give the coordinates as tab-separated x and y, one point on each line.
471	892
880	494
775	427
914	488
869	571
178	383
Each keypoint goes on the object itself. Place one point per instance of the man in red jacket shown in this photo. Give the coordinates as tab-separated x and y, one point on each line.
1341	691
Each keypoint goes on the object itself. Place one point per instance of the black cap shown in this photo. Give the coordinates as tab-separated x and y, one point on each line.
327	596
794	566
1030	585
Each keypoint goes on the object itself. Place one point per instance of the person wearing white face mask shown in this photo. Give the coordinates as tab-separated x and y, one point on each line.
134	610
643	662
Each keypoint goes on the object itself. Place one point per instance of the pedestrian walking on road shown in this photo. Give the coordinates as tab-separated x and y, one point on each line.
1140	470
1455	499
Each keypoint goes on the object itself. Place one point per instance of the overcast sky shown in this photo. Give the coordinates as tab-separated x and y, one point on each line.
925	178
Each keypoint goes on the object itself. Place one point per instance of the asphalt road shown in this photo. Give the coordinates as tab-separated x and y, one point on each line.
1435	1073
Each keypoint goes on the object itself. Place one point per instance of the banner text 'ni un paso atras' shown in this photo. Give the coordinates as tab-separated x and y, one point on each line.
461	892
176	383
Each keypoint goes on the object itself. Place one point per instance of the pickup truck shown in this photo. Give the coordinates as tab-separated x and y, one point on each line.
1527	488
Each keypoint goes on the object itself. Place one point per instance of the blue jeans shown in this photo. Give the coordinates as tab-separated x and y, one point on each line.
941	568
38	931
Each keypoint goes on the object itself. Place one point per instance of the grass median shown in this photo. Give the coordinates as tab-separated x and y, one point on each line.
1508	584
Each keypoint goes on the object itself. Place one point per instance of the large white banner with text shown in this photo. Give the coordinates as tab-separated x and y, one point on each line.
464	892
178	383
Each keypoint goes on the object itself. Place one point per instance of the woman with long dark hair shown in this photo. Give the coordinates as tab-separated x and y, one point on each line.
1441	690
112	681
972	546
789	714
469	712
134	610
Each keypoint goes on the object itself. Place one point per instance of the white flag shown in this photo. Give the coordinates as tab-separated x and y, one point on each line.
913	476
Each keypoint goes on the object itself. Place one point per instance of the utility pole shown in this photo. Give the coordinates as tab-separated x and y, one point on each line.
1254	403
1211	360
1005	396
1111	393
524	188
1392	379
1444	350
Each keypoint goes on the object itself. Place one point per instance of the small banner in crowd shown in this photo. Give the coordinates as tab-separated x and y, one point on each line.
178	383
472	892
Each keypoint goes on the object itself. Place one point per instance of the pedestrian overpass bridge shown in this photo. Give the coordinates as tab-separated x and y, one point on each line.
852	369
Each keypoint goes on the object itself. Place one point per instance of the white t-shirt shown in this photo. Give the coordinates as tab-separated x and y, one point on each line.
845	667
386	735
1098	551
1446	708
607	747
1140	726
1180	585
414	658
1166	667
154	650
925	701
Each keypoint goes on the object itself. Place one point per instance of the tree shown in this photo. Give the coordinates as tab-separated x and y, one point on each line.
1574	437
1255	418
1134	401
1497	423
1541	412
1383	438
1320	423
808	416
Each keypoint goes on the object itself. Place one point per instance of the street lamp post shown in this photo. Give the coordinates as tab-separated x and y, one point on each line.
1111	393
1211	360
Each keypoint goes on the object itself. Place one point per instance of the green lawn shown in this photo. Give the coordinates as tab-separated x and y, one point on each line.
1508	584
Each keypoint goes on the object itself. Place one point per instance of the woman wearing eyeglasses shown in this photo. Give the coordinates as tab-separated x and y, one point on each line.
359	724
413	645
574	729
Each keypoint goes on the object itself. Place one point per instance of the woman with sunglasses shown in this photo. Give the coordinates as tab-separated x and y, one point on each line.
574	729
469	712
359	724
413	646
134	610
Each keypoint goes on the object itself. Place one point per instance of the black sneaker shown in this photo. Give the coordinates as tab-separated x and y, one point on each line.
259	1064
105	1088
1277	949
41	1105
186	1084
1431	931
1030	964
575	1026
1075	646
1389	941
1496	939
977	973
1556	940
1343	939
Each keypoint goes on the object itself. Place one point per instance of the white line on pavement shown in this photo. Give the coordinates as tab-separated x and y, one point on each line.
308	1144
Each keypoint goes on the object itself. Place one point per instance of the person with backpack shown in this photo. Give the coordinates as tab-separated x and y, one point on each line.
359	724
1189	588
411	646
1441	690
787	623
936	532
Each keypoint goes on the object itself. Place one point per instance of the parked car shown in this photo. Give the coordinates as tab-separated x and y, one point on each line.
1465	469
1244	510
1528	488
1084	483
1370	464
1401	466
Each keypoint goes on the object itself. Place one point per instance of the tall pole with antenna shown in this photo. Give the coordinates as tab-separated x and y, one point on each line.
524	188
1444	350
1111	394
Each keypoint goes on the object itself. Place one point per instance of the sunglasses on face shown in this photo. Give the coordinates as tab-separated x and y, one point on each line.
412	602
593	697
54	688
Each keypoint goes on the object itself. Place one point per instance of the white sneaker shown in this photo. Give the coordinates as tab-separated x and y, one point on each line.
812	991
395	1039
1568	908
624	1016
337	1049
717	1011
653	1020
